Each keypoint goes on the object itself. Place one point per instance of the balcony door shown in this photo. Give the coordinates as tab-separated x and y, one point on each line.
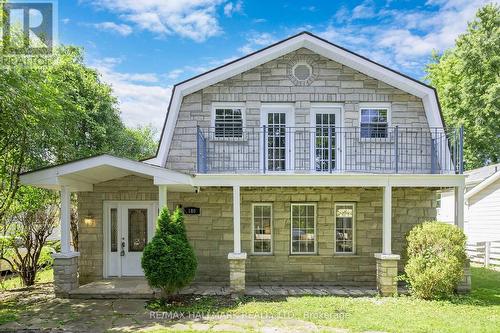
278	137
128	226
326	144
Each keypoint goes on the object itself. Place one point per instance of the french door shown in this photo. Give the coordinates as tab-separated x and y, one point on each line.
128	226
326	143
278	137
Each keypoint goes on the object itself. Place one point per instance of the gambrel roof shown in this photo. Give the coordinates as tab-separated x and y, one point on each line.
301	40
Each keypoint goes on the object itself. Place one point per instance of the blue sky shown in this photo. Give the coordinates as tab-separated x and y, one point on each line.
143	47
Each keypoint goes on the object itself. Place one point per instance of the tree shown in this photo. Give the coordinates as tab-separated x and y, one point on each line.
53	110
467	79
30	222
168	261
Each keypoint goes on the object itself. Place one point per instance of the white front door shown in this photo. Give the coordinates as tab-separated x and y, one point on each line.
128	226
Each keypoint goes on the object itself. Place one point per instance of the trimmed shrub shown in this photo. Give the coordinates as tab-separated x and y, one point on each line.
168	261
436	259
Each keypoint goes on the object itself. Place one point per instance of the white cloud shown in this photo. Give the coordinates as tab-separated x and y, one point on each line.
231	8
194	19
174	74
140	102
363	11
401	38
256	40
122	29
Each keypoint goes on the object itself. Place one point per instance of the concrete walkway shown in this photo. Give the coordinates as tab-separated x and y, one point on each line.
137	288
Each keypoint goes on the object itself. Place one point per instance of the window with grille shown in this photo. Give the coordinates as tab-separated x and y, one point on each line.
228	122
262	228
303	228
374	122
344	228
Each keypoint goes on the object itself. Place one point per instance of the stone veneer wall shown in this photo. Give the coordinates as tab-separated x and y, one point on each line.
269	83
211	232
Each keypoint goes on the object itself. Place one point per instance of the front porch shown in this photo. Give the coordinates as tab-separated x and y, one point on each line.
137	288
223	232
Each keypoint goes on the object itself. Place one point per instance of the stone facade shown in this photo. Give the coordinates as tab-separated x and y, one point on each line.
269	83
65	274
387	272
211	232
237	273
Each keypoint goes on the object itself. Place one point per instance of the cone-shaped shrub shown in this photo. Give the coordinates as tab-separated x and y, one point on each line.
436	259
168	261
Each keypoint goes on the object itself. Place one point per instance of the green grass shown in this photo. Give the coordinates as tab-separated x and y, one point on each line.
43	276
478	311
9	307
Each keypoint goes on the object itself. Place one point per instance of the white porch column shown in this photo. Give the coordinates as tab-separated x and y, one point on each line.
65	219
387	263
65	263
162	196
387	220
236	219
459	207
237	258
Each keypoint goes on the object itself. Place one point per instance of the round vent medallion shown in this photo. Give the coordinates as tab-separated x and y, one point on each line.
301	71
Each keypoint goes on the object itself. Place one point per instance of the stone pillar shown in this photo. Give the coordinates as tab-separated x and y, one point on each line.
65	273
237	273
387	271
464	286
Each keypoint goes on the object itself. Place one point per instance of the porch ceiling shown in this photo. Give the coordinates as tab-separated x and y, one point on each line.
81	175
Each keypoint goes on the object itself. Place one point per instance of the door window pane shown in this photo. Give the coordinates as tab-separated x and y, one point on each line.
262	227
344	228
303	228
276	141
137	229
324	141
114	229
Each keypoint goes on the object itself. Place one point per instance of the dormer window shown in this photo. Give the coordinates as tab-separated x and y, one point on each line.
228	121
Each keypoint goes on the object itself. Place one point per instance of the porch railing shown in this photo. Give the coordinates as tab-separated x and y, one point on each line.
323	149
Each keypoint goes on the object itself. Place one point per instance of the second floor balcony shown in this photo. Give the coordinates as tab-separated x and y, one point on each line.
326	149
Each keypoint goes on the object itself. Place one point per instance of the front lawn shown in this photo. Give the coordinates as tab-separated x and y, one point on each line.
477	312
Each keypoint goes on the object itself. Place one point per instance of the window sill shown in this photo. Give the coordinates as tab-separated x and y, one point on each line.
261	254
376	140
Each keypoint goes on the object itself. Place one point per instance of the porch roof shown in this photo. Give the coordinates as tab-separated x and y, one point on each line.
81	175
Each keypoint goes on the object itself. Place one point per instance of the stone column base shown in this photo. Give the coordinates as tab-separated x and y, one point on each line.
387	271
237	273
65	273
464	286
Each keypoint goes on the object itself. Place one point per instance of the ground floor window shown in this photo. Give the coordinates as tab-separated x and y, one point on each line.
262	228
344	228
303	217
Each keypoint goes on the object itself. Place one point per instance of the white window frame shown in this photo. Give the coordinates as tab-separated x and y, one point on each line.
253	229
322	108
315	227
387	106
354	222
224	105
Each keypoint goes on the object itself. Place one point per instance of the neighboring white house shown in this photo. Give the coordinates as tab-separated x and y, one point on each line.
482	204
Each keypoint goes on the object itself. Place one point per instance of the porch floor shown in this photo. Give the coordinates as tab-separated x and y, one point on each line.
138	288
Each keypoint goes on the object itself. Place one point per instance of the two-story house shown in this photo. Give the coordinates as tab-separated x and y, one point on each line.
300	164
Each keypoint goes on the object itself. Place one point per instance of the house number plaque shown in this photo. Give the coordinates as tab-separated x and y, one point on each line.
191	210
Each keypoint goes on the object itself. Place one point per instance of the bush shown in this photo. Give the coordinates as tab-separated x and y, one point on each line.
436	259
168	261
